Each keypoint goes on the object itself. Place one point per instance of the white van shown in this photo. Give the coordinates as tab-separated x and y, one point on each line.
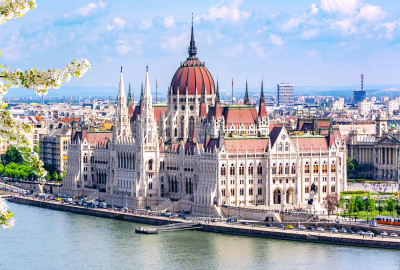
103	205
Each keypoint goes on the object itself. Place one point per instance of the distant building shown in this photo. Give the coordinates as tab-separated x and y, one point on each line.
336	106
285	94
364	107
54	148
358	96
391	105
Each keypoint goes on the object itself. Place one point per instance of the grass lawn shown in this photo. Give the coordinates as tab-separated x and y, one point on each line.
363	214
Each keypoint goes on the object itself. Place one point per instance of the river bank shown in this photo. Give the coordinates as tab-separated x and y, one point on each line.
221	227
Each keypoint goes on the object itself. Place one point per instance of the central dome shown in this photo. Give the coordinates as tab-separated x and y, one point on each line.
193	75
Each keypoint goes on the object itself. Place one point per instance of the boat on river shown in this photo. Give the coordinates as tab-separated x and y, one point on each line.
148	230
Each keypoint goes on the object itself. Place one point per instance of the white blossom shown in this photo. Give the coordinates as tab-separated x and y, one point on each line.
14	8
6	217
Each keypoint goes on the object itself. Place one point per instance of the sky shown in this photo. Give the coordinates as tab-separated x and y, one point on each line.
308	43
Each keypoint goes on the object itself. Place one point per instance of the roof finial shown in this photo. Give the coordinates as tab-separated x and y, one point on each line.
147	68
192	46
262	87
246	95
121	68
217	93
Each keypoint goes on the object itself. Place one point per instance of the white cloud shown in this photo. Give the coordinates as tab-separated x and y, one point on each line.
309	34
13	50
175	43
371	13
390	27
227	12
275	39
314	9
122	48
87	10
120	23
340	6
346	26
146	24
292	24
110	27
258	49
169	21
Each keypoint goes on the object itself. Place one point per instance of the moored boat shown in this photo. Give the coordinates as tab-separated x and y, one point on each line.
142	230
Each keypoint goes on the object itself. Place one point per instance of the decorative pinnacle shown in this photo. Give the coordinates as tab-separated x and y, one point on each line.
121	68
246	95
192	46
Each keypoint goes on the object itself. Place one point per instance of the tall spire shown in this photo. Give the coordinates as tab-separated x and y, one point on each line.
147	84
121	93
217	93
192	47
246	95
262	98
129	94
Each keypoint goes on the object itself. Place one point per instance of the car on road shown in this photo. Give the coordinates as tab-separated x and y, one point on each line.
383	233
289	227
350	232
281	226
214	220
393	235
269	225
333	230
342	230
361	232
311	228
230	220
320	229
369	233
245	223
301	227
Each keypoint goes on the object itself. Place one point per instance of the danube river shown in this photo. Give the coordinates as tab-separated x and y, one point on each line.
48	239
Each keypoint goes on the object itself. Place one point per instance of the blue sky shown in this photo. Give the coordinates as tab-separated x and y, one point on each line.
309	43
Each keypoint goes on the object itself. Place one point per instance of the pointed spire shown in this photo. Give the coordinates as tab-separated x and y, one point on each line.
217	93
141	92
147	83
129	94
246	95
262	98
121	93
192	46
261	110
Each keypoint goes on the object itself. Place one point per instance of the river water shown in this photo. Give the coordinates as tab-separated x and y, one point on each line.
48	239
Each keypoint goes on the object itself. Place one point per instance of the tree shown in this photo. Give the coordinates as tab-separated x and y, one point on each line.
370	203
41	81
331	202
54	176
360	205
390	205
13	155
352	205
1	168
36	149
350	165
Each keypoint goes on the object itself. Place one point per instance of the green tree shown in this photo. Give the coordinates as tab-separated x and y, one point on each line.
360	205
341	203
36	149
370	203
350	165
352	205
390	205
1	168
54	176
13	155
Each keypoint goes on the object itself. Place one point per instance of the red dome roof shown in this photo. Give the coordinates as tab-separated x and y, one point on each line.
193	75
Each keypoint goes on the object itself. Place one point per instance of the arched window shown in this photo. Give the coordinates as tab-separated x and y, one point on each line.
241	191
150	165
333	166
232	169
274	168
176	132
241	169
151	185
324	167
286	147
85	158
306	189
333	189
232	192
307	168
280	147
250	169
324	189
223	170
191	126
259	169
182	127
315	167
287	168
280	168
223	192
250	191
293	168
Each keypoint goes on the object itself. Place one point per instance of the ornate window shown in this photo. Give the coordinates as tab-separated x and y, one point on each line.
151	185
287	168
232	192
315	167
293	168
85	158
232	169
259	191
324	189
241	169
286	147
280	168
333	188
241	191
280	147
250	169
223	170
191	126
250	191
223	192
259	169
333	166
306	189
150	165
324	167
307	168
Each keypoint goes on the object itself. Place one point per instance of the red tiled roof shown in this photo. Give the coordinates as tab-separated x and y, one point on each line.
245	115
159	112
249	145
311	144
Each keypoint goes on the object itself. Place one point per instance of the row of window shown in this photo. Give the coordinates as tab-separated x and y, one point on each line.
241	181
232	169
324	188
241	192
315	167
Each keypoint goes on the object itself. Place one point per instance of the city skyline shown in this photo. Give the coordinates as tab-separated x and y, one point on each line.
317	43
